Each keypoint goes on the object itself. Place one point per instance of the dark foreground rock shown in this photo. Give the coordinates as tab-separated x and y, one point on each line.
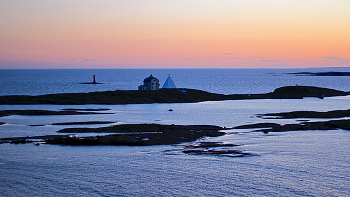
29	139
87	109
165	96
46	112
303	126
84	123
209	145
140	134
213	148
257	125
307	114
133	135
230	153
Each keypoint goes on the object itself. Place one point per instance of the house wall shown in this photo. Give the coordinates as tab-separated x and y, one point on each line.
154	84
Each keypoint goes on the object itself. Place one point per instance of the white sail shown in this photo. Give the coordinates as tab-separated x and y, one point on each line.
169	84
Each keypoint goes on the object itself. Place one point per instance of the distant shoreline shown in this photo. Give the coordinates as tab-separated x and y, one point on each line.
321	73
165	96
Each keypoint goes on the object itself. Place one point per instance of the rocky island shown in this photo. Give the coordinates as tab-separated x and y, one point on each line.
156	134
303	125
128	134
164	96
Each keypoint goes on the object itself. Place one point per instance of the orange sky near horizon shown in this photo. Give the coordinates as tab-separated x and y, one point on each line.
174	34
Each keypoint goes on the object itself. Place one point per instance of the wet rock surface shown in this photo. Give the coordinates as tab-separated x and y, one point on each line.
230	153
84	123
213	148
45	112
303	125
322	125
86	109
132	135
307	114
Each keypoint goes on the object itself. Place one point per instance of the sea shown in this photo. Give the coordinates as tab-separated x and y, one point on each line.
294	163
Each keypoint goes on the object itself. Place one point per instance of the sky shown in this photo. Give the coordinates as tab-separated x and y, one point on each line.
174	33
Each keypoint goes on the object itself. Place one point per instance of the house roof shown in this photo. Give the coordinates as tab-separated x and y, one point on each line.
149	79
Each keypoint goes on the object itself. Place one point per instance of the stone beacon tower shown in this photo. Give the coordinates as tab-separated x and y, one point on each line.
169	84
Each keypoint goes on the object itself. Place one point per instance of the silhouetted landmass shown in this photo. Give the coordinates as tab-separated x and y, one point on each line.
321	73
209	145
137	128
308	114
84	123
132	135
43	112
305	125
305	91
213	148
89	109
165	96
221	152
28	139
257	125
321	125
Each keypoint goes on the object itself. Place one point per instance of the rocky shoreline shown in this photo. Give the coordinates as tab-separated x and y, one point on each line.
47	112
156	134
304	124
165	96
129	134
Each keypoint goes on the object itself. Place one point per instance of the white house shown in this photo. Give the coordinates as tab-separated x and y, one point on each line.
150	83
169	84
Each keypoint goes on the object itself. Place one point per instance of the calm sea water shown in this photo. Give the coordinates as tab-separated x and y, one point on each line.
308	163
224	81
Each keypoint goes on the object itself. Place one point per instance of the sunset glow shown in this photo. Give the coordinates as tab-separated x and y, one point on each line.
174	34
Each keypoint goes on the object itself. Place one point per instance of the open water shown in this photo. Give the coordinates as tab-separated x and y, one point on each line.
307	163
222	81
